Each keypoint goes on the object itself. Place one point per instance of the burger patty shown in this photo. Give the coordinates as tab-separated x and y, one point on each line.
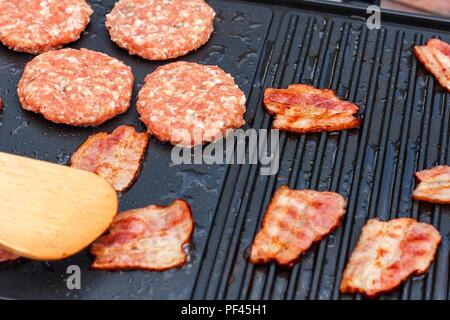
189	104
76	87
35	26
160	29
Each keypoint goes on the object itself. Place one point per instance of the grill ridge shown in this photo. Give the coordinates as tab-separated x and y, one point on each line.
442	259
401	175
206	279
337	66
318	67
362	147
300	62
270	183
436	158
418	208
318	271
380	207
242	213
232	173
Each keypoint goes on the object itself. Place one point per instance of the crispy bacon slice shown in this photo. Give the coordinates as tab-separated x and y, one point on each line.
116	157
388	253
301	108
435	56
150	238
434	185
295	220
6	256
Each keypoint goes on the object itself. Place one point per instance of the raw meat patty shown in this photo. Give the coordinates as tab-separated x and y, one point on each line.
189	104
35	26
76	87
160	29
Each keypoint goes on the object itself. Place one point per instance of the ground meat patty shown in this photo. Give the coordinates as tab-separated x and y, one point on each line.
76	87
36	26
160	29
116	157
150	238
189	104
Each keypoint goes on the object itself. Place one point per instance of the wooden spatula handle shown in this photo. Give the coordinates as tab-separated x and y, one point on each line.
49	211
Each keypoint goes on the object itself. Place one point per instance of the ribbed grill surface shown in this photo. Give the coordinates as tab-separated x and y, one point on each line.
405	129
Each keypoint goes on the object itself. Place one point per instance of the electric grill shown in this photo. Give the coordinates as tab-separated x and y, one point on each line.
405	129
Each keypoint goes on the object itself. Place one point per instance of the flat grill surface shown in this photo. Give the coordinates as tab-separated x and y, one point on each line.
405	128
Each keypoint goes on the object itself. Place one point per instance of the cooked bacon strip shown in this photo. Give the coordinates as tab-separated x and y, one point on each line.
150	238
295	220
435	56
301	108
116	157
6	256
434	185
388	253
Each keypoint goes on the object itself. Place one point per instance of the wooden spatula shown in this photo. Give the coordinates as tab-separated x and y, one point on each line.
49	211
